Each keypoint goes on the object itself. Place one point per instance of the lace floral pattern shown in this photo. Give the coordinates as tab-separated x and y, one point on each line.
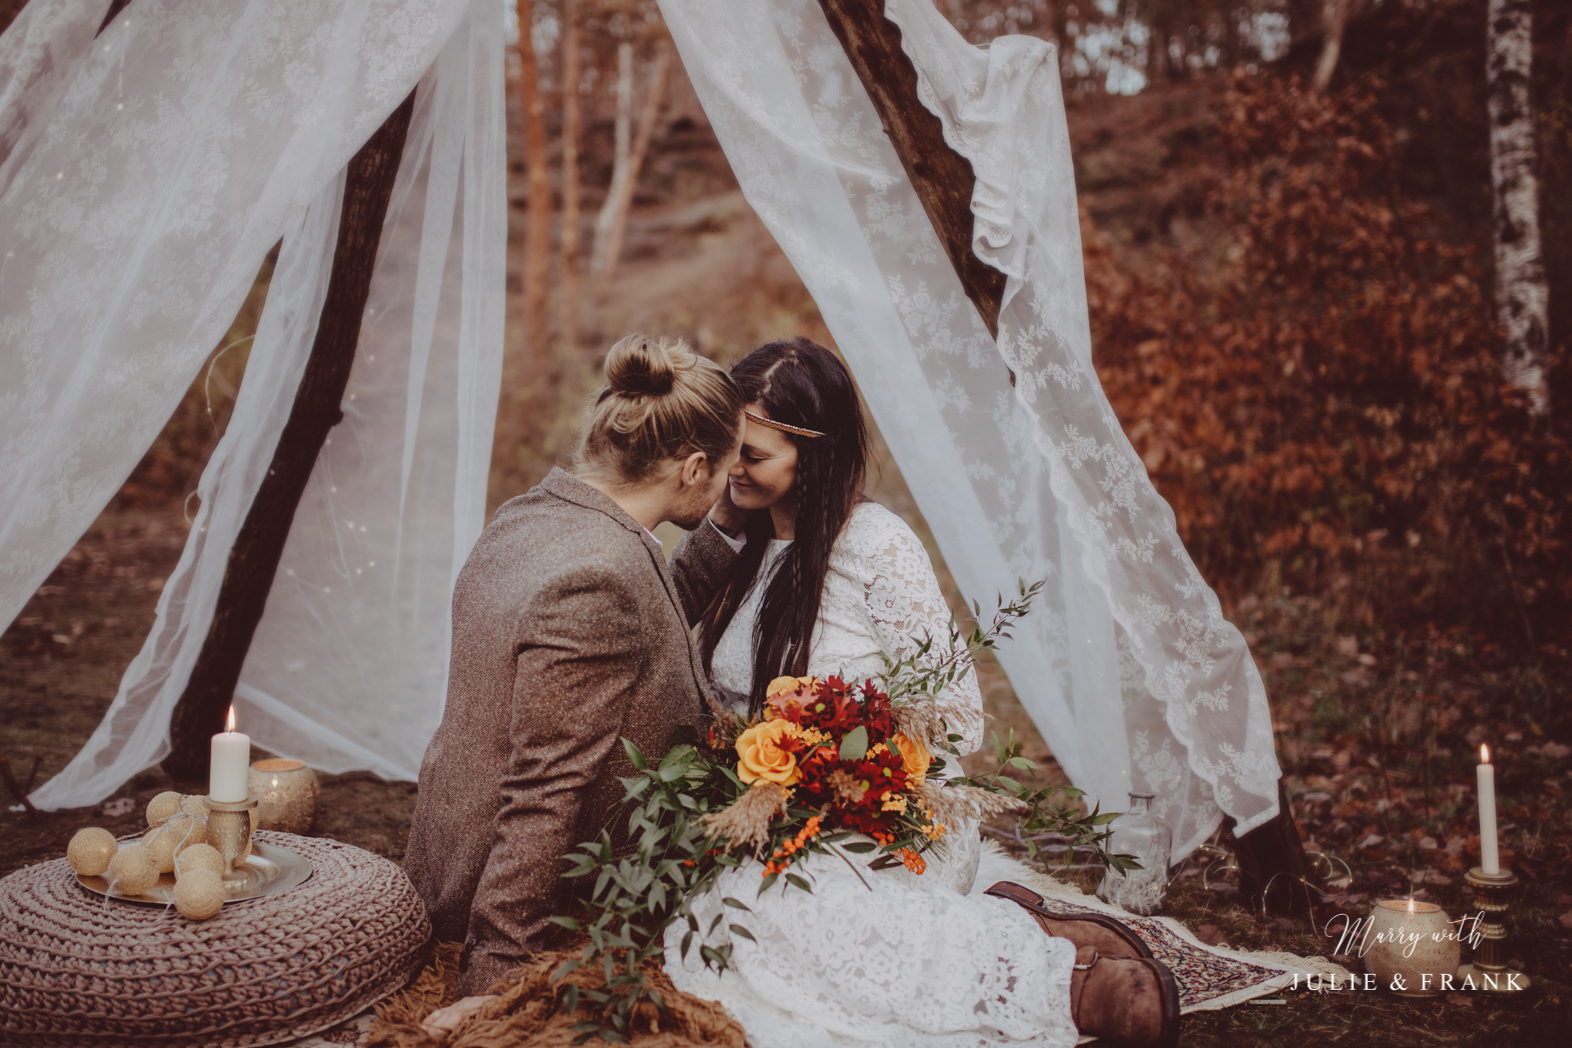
1010	447
899	965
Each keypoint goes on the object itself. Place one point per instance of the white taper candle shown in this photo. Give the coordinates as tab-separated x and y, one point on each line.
230	777
1489	855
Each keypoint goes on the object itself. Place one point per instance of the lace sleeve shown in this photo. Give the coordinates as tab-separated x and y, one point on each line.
905	604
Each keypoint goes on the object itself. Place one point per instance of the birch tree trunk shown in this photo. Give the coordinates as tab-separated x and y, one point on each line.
620	200
1335	17
1522	297
572	133
537	243
619	165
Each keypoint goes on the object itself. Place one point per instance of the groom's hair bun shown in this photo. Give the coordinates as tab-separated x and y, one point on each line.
643	367
661	401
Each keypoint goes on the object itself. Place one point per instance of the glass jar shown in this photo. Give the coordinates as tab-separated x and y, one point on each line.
1139	833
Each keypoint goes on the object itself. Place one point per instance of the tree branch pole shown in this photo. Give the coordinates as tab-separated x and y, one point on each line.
253	561
1271	858
942	177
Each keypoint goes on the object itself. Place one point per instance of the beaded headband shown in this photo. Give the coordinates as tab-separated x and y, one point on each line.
783	427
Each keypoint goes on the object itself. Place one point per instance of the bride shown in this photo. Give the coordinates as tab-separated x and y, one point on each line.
820	581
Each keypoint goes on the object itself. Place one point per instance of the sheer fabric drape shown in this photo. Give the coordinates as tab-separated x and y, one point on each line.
1127	665
188	139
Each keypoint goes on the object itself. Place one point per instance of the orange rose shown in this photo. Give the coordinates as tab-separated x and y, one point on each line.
761	754
914	757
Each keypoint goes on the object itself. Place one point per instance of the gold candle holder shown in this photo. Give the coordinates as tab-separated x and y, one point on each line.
1489	970
287	795
229	830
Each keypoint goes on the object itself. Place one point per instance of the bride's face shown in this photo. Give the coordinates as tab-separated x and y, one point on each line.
766	473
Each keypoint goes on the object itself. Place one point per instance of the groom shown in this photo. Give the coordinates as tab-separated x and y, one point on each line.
569	633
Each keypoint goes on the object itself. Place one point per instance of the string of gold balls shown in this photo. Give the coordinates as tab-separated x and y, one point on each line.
175	842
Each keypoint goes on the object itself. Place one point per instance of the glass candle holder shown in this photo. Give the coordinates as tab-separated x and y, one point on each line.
287	795
1140	833
1411	945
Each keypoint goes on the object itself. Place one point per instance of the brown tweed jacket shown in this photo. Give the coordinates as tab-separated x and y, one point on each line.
569	632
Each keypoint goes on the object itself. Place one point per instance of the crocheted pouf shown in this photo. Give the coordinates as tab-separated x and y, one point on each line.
77	969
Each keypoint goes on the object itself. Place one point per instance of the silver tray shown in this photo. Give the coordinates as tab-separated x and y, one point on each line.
269	870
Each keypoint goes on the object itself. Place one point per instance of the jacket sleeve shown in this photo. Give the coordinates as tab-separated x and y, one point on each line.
580	657
700	566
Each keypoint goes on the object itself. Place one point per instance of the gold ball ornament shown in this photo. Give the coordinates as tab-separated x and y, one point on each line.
199	857
90	851
132	871
199	894
188	829
160	844
160	808
170	839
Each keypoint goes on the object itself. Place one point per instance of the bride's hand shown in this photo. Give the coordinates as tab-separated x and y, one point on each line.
727	516
447	1020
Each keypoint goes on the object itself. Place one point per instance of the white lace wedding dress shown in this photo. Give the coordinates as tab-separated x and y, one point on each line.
907	959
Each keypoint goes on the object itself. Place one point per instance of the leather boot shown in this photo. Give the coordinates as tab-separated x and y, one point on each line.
1112	939
1129	1002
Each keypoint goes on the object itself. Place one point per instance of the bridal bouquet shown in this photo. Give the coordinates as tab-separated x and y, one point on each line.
826	767
832	748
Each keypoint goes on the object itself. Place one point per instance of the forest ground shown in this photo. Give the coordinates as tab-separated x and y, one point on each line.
1377	727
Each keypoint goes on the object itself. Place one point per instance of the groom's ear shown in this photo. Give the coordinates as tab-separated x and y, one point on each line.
695	468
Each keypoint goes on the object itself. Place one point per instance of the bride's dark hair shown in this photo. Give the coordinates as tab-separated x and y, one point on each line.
802	384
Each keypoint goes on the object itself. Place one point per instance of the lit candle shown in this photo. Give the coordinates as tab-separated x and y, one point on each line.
1489	857
231	765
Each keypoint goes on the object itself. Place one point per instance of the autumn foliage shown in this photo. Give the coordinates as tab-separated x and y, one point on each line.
1320	400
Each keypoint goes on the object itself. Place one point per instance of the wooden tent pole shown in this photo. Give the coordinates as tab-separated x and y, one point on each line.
1271	856
253	561
942	177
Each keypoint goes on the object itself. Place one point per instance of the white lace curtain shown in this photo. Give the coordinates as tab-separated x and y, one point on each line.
148	172
1127	665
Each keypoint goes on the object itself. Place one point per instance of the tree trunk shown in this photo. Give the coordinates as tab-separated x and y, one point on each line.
572	132
1522	296
253	561
623	145
1336	18
1272	860
942	178
622	195
537	243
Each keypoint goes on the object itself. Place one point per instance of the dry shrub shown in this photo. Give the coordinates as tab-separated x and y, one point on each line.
1321	403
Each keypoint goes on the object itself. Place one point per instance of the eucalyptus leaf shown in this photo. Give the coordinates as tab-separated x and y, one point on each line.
854	746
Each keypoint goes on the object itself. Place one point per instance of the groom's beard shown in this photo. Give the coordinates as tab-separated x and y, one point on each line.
691	516
691	513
